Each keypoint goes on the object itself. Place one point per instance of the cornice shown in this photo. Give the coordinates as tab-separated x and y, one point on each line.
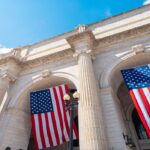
85	36
8	59
120	37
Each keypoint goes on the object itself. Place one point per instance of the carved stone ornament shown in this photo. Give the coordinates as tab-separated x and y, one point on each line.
81	28
138	48
46	73
7	75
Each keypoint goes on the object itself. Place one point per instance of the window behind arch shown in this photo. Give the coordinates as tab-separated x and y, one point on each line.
141	133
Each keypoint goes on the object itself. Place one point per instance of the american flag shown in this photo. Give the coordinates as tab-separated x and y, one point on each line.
137	80
50	120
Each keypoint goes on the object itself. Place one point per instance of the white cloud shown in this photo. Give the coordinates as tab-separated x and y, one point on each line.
108	13
4	50
146	2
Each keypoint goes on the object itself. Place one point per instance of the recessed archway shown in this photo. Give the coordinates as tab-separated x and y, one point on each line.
23	101
114	80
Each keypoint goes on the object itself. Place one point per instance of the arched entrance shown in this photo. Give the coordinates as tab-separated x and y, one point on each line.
20	106
131	119
135	129
64	146
112	80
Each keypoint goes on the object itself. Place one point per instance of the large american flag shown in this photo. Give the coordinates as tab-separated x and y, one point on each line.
137	80
50	120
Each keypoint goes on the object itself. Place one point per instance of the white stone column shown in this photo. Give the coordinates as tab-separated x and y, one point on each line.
90	118
91	129
5	78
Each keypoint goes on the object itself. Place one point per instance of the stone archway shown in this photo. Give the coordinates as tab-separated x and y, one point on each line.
16	119
128	109
111	84
111	75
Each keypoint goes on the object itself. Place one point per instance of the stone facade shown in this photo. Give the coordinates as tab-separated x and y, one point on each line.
88	59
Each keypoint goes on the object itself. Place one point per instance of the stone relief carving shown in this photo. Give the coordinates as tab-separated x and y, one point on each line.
46	73
138	48
5	74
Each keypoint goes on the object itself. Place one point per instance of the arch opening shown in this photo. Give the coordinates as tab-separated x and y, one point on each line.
23	103
131	119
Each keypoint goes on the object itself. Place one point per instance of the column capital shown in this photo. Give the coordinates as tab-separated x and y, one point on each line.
7	75
82	42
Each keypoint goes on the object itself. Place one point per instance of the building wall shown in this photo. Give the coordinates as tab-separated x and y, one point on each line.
59	60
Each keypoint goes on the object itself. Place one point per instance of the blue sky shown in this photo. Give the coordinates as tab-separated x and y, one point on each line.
25	22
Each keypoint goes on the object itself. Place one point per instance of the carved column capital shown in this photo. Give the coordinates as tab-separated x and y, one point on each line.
82	43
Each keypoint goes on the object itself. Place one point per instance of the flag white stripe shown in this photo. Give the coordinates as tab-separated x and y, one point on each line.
45	130
56	115
37	131
50	123
147	94
62	112
138	97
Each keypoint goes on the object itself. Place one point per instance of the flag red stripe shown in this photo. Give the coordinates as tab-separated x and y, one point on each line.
55	128
68	111
48	130
75	130
74	126
65	117
52	128
140	113
59	113
66	126
41	130
145	101
34	132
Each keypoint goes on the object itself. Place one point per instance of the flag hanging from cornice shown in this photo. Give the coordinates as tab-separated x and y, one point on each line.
50	120
137	80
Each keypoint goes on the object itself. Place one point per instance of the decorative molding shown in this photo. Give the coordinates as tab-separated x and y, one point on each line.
5	74
81	28
10	58
80	42
138	48
120	37
46	73
47	59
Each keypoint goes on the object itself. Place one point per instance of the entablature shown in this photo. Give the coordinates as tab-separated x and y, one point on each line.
95	37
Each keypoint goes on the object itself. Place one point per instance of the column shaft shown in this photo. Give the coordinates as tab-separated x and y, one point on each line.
90	117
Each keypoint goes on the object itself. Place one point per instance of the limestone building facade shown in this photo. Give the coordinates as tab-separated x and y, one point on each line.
88	59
